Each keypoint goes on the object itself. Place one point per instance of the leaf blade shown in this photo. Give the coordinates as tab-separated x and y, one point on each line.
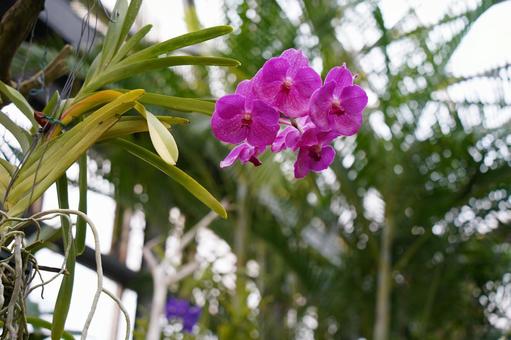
176	174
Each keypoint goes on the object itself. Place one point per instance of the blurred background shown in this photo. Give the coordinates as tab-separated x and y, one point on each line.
406	236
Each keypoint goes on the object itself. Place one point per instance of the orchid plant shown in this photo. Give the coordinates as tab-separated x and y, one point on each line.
62	133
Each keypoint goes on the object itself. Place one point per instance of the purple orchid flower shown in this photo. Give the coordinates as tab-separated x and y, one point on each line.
286	139
238	118
287	83
315	153
245	153
183	310
338	104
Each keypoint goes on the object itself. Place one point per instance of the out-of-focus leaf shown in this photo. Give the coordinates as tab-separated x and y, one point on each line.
20	102
40	323
176	174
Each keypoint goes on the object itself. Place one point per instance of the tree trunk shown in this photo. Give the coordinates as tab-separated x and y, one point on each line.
383	304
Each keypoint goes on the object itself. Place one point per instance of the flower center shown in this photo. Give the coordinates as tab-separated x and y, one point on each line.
288	82
315	152
337	108
246	120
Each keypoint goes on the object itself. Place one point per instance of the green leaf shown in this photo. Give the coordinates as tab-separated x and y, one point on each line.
81	224
20	102
63	301
179	103
22	136
131	43
7	166
178	42
64	151
5	178
127	70
113	36
129	19
134	124
176	174
40	323
51	108
162	139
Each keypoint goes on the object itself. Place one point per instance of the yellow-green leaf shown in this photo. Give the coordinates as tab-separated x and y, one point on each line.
20	102
181	41
176	174
127	70
134	124
162	139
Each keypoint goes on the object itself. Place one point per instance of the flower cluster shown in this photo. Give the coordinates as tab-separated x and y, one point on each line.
287	106
183	310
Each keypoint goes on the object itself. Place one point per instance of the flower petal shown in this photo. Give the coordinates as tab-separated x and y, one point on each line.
296	60
353	99
306	81
244	88
228	130
229	106
340	75
302	167
233	155
287	138
269	79
264	113
347	124
327	157
261	134
320	106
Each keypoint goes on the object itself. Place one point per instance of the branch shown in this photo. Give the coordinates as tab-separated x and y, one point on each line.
14	28
54	70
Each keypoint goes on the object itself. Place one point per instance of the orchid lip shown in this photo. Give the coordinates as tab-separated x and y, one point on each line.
288	82
315	152
247	119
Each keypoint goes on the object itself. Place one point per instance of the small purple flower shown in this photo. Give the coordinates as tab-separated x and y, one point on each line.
315	152
181	309
245	153
287	138
237	118
338	105
287	83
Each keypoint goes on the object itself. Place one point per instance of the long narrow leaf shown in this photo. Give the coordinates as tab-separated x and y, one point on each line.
130	125
63	301
19	133
81	225
65	151
129	19
40	323
128	70
131	43
176	174
113	35
20	102
179	42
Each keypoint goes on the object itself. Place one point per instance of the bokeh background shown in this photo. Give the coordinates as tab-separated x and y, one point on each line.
409	227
